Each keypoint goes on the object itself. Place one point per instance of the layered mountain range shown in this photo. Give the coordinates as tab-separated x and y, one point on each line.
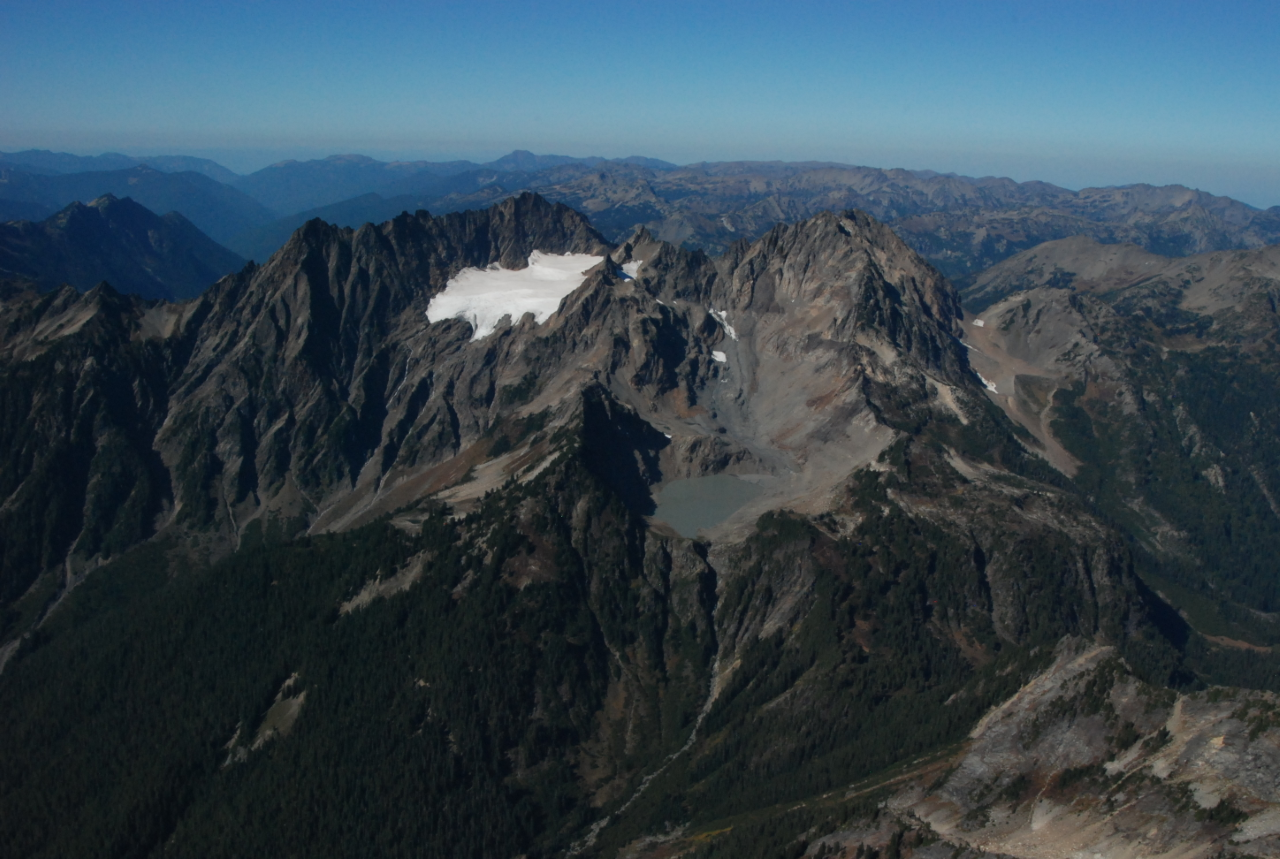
961	225
308	564
44	161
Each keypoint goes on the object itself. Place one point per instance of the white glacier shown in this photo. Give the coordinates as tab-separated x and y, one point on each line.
482	296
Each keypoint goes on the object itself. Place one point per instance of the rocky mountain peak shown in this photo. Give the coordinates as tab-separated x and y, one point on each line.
757	362
316	388
854	271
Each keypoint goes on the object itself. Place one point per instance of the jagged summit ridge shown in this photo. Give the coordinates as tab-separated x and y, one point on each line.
649	337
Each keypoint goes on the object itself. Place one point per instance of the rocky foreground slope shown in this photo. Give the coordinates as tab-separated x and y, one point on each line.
1085	760
299	566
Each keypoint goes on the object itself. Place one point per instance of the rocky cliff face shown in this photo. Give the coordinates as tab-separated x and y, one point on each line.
1090	759
85	389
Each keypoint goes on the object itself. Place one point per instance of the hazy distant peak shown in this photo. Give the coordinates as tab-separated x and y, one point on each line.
353	158
108	206
525	161
44	161
190	164
644	161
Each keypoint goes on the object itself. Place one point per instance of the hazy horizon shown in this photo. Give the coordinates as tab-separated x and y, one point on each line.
1093	94
250	161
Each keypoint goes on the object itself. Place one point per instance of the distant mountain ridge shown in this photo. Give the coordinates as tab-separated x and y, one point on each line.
295	186
371	208
961	224
1084	265
44	161
218	210
118	241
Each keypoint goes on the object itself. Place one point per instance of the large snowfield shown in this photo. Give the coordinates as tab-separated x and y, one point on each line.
482	296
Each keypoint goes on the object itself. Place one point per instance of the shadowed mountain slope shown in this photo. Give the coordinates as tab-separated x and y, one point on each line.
218	210
118	241
44	161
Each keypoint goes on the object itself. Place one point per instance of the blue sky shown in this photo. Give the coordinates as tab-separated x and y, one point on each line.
1082	93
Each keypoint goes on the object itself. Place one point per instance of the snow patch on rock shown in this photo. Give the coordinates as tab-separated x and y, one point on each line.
483	296
720	356
723	319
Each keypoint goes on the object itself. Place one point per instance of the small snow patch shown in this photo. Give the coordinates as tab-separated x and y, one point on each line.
631	269
723	319
483	296
667	434
720	356
978	323
991	386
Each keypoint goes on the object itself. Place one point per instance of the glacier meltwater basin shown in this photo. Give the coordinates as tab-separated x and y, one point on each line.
702	502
